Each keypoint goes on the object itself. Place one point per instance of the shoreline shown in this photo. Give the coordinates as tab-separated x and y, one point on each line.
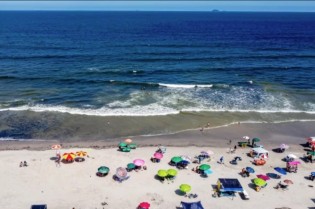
270	133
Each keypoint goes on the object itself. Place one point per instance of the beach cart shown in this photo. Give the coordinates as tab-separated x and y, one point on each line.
310	141
292	166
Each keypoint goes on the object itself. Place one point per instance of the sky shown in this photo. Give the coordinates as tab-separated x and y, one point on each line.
146	5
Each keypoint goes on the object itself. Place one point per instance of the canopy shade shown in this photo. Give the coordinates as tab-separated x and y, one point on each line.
192	205
229	185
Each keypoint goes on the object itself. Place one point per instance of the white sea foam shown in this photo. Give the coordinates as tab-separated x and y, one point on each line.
186	86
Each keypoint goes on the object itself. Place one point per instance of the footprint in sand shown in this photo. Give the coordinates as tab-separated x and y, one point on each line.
155	198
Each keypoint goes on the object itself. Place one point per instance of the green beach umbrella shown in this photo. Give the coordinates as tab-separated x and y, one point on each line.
311	153
256	139
131	166
204	167
176	159
172	172
162	173
122	144
103	169
185	188
132	146
259	182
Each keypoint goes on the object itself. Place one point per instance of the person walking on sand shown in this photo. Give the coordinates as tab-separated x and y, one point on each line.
222	160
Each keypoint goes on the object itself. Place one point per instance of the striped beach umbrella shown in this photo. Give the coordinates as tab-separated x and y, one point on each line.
81	153
68	156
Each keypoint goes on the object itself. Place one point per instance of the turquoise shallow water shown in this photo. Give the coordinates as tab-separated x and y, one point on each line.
66	74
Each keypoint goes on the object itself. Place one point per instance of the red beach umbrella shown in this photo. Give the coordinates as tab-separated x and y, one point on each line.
144	205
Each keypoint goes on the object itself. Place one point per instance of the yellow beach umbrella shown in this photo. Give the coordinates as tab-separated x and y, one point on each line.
81	153
185	188
68	156
162	173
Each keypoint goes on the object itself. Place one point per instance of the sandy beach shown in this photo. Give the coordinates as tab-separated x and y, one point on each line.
76	185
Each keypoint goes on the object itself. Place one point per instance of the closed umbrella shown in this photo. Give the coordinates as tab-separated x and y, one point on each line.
176	159
204	167
103	169
259	182
162	173
158	155
172	172
185	188
280	170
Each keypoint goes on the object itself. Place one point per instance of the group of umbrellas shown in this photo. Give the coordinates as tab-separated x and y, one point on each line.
127	145
69	156
167	173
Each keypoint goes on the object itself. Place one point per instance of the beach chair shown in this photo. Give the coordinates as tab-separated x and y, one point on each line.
39	207
245	195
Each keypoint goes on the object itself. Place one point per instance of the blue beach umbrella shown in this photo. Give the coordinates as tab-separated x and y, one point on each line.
280	170
273	175
185	162
250	170
208	171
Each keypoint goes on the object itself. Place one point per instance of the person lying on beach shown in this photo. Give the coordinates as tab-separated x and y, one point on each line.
21	164
25	164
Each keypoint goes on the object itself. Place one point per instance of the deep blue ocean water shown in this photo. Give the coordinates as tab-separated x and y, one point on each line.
157	63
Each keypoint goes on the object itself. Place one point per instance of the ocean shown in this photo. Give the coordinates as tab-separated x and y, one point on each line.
101	75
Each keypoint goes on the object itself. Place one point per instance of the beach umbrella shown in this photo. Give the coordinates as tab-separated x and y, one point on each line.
292	156
162	173
176	159
259	182
185	188
273	175
81	153
138	162
208	171
121	172
128	141
246	137
158	155
295	163
263	177
280	170
287	181
122	144
204	167
172	172
144	205
68	156
103	169
186	157
284	146
250	170
131	166
56	146
184	162
311	153
256	139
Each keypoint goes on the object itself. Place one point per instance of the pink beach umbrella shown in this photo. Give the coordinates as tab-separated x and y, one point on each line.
158	155
295	163
263	177
138	162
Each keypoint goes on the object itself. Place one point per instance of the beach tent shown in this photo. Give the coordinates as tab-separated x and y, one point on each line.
229	185
192	205
259	153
